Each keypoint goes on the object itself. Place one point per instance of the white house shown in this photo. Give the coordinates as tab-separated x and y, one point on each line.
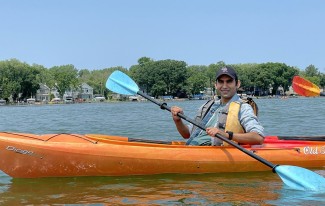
43	93
85	93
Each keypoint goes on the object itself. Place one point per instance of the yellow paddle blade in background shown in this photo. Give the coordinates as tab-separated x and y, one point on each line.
304	87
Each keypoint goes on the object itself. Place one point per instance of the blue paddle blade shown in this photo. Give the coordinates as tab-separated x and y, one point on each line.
121	83
300	178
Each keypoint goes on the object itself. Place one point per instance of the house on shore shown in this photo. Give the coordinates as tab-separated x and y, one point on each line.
83	94
43	93
86	92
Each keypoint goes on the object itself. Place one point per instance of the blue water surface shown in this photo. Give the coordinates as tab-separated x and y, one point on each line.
293	116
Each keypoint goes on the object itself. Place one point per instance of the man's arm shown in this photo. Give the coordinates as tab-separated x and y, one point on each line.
254	130
242	138
181	127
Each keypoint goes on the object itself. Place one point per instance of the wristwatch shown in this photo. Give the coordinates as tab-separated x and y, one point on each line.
231	134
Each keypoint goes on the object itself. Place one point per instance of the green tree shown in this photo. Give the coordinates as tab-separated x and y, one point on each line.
144	60
45	77
246	74
18	80
97	78
30	82
322	81
163	77
211	73
312	74
197	79
84	74
11	78
66	77
160	77
311	71
274	74
159	88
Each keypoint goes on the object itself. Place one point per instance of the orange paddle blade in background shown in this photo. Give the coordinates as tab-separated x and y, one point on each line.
304	87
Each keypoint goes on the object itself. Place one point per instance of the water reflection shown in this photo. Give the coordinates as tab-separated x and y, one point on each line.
245	188
288	196
260	188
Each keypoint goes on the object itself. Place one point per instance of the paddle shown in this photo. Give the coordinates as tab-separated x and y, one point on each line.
294	177
304	87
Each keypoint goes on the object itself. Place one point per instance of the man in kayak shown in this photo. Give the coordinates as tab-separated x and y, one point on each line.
229	116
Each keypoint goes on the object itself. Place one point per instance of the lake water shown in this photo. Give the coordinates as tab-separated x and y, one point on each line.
293	116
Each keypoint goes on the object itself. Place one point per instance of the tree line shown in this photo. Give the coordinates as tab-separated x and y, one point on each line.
20	80
176	78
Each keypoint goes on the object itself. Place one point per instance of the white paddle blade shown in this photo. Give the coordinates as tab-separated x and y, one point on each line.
300	178
121	83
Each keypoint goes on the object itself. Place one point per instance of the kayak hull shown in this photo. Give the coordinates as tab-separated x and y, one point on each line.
68	155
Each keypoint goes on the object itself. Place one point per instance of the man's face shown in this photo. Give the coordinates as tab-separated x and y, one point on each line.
226	86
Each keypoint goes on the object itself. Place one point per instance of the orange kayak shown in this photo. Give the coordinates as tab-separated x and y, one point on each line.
67	155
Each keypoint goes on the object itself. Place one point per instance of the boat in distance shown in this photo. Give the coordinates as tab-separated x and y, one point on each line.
70	155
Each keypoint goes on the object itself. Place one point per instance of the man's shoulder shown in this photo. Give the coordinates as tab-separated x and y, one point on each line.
247	109
236	98
210	102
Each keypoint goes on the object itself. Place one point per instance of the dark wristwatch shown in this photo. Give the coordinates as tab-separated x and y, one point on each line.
231	134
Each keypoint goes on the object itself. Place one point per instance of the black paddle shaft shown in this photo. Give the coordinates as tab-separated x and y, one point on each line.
165	107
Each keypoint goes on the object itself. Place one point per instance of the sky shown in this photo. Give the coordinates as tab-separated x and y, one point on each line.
98	34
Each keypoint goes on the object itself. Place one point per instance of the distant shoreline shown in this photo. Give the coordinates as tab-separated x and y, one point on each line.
161	100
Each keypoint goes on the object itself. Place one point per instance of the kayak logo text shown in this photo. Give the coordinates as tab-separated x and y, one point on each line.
20	151
314	150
